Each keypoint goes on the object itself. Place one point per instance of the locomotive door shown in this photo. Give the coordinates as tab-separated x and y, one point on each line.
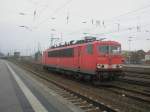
44	57
79	57
109	57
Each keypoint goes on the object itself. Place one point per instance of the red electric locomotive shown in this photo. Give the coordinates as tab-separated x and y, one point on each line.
90	59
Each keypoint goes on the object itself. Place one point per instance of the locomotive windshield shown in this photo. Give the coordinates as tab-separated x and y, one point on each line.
105	49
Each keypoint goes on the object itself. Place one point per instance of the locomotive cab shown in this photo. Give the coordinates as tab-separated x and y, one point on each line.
109	60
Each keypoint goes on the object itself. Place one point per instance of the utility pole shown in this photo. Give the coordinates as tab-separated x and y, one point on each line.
118	26
67	18
34	15
61	37
39	47
129	54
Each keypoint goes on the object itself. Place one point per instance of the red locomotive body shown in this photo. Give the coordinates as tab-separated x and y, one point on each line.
96	60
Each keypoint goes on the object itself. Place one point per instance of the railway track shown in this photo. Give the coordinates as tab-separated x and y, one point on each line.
137	70
82	100
86	103
121	92
137	75
136	95
135	80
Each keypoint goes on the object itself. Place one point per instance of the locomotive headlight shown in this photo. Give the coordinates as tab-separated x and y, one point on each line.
120	66
101	66
98	65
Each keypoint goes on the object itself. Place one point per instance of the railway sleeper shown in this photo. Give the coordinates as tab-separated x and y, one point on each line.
92	109
67	97
82	103
71	98
75	100
77	103
62	92
58	89
85	106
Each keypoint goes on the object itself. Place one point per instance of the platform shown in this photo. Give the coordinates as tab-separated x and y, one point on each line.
19	92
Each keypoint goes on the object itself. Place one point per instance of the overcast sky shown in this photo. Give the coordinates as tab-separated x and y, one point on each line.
112	19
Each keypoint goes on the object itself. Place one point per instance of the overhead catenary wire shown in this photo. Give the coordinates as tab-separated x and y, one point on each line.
107	20
55	12
104	21
130	12
116	31
134	11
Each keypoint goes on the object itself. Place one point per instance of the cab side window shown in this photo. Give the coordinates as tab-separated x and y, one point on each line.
89	49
